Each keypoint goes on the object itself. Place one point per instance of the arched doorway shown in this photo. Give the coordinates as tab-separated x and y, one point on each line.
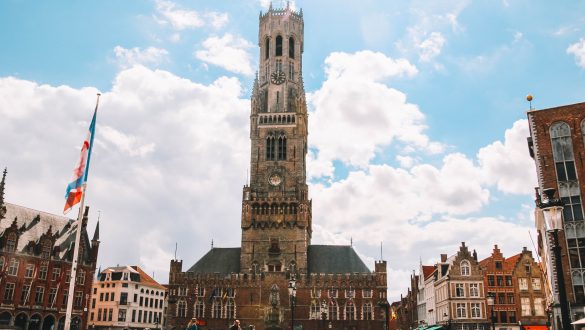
35	322
76	323
49	323
5	318
61	324
20	320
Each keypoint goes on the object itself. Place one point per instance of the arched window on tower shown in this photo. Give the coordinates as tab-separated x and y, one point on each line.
278	46
291	47
267	48
282	147
270	146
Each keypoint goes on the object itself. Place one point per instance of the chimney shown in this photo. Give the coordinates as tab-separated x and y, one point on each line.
474	255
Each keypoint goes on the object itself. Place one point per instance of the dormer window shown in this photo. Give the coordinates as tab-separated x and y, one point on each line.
46	250
125	276
11	243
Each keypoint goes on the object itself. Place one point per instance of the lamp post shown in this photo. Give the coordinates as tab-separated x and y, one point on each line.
491	299
292	292
552	210
448	321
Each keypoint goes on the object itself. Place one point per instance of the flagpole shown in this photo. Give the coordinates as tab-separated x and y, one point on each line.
74	262
73	276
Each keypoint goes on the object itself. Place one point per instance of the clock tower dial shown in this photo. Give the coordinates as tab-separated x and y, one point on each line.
276	210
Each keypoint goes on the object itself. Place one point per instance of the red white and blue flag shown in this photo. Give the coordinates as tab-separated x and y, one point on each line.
75	187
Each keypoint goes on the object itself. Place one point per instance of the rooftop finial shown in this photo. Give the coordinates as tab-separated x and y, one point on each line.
2	184
529	99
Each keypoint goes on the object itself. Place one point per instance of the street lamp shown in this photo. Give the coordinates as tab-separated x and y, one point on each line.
292	292
448	321
491	299
552	210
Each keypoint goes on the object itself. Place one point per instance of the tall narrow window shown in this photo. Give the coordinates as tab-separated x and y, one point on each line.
267	48
291	47
282	148
199	309
562	145
465	268
291	71
367	313
270	147
278	46
349	310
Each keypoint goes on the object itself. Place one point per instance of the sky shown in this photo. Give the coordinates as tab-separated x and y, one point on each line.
417	120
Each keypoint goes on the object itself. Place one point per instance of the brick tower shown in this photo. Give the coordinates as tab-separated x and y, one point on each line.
276	211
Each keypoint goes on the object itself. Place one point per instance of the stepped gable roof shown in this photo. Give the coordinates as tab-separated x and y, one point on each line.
32	228
334	259
218	260
428	271
513	260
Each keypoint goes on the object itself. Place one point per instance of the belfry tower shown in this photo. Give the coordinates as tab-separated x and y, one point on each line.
276	210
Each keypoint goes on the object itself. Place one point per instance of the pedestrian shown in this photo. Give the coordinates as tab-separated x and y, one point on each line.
236	325
193	324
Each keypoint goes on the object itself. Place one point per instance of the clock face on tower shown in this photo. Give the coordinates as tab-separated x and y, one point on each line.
277	77
274	179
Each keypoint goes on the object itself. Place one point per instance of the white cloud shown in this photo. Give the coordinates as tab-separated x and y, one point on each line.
229	52
431	47
355	114
181	19
578	50
163	143
133	56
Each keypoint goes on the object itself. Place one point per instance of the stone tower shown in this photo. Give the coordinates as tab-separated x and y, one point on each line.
276	210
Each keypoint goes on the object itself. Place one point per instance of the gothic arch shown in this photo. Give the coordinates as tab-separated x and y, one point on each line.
278	48
291	47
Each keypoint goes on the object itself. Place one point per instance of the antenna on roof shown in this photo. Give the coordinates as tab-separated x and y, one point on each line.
529	99
381	252
212	243
176	244
350	241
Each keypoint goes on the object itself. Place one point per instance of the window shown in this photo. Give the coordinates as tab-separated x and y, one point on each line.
491	280
498	265
282	148
367	313
349	311
475	310
536	284
43	272
24	294
81	277
474	290
67	276
141	301
13	267
1	262
266	48
78	299
291	47
101	296
110	313
333	315
508	280
350	293
459	291
315	311
200	291
53	296
332	293
216	309
182	291
500	280
291	71
501	298
121	315
510	298
65	296
512	317
525	302
465	268
523	283
278	46
133	315
538	307
39	294
181	308
123	298
564	160
503	317
139	316
11	243
29	271
199	309
461	313
46	250
55	274
367	293
9	291
230	309
270	146
99	314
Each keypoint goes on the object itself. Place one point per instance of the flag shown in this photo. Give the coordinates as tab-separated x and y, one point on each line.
74	188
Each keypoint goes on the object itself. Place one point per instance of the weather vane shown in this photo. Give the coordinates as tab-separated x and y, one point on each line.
529	99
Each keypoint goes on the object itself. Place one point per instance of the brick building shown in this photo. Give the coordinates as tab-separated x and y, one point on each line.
334	288
516	283
556	144
127	298
459	292
36	249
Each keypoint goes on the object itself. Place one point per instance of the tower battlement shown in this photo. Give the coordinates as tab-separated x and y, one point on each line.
286	11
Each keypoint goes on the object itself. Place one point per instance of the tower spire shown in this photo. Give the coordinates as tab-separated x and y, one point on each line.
2	184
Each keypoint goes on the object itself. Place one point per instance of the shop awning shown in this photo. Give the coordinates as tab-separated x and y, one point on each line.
535	327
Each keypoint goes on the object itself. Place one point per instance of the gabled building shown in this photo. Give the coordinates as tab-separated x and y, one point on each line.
36	250
424	310
459	291
127	298
529	289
